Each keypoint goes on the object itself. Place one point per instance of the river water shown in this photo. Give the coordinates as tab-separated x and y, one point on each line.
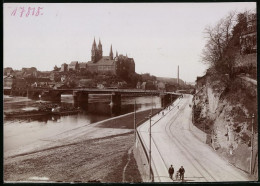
21	132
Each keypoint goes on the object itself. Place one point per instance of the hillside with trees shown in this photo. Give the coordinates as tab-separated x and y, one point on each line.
225	103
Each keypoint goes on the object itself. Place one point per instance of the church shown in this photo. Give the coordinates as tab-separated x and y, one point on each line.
109	64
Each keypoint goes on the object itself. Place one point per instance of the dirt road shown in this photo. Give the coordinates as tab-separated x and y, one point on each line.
174	143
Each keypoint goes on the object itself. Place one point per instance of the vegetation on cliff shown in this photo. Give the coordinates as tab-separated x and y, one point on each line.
224	105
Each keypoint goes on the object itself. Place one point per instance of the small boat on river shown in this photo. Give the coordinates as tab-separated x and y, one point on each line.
66	112
37	113
24	114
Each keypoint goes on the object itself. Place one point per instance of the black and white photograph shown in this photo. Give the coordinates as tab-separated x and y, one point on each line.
130	92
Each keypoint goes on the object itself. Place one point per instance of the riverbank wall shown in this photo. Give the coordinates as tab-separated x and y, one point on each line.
141	158
202	136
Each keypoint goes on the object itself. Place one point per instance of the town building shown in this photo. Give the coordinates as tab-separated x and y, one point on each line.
29	72
63	78
8	71
38	82
19	84
55	76
170	87
74	65
64	67
8	81
82	66
18	74
248	39
139	85
161	86
43	74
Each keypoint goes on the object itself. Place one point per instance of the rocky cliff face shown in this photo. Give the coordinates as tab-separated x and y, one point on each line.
221	108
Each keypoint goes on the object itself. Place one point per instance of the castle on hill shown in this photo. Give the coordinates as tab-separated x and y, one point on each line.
116	65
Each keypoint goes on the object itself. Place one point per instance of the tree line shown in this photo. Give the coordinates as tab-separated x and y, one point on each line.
223	43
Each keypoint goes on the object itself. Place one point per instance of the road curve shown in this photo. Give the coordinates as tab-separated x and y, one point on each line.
174	143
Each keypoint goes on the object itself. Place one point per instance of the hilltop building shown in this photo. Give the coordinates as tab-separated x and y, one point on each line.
117	65
109	64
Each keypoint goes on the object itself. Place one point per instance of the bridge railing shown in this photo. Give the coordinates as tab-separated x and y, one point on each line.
111	90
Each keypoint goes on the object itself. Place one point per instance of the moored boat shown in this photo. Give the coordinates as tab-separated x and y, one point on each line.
23	114
42	111
66	112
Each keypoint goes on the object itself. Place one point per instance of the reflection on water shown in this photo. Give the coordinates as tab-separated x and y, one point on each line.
20	132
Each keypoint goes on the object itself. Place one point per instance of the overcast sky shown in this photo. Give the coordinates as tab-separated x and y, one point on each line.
158	36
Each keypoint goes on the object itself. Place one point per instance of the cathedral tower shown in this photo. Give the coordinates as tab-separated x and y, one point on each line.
100	51
94	52
111	53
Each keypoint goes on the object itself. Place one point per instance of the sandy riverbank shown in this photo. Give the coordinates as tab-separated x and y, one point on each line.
97	151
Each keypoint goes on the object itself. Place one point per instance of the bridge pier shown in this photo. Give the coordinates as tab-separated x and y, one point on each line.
18	92
31	94
166	99
115	104
7	91
115	99
115	110
51	96
80	99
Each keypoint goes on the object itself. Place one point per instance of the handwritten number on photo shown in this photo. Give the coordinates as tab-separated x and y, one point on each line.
26	12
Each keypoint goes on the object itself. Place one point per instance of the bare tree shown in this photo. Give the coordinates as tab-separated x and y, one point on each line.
219	39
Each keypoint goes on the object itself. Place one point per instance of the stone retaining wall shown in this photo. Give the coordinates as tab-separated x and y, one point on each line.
141	160
202	136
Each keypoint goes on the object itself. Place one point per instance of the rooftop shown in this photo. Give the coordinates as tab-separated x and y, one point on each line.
105	60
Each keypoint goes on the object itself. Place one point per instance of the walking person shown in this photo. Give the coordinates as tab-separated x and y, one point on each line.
171	171
182	171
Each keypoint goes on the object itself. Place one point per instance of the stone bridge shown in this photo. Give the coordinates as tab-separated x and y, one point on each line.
81	95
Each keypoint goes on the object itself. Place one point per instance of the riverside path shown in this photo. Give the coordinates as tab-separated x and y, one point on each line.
173	143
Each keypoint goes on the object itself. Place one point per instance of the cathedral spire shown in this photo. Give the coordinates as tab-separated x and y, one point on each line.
94	46
111	53
94	52
100	51
99	43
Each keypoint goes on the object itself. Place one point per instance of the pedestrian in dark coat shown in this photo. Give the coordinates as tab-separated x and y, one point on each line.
182	171
171	171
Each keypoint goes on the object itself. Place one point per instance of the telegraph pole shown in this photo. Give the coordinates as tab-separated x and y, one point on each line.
152	106
150	150
150	146
178	76
252	144
135	120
